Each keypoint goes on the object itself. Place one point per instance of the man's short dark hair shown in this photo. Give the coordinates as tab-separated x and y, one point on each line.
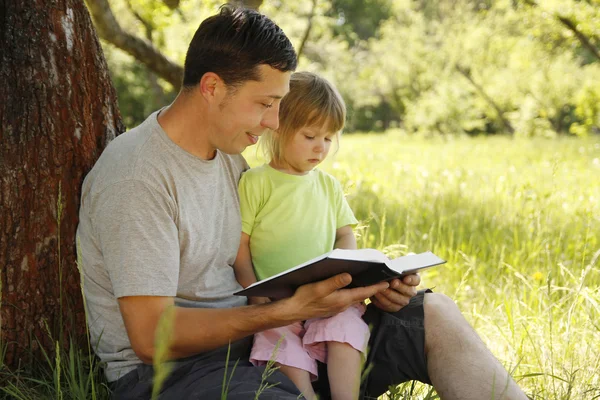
233	43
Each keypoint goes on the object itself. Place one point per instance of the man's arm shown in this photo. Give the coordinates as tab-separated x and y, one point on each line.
196	330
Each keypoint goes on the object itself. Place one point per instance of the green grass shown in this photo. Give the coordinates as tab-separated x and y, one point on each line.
518	222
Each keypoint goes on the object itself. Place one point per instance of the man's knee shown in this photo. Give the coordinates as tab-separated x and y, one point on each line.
438	304
442	319
439	311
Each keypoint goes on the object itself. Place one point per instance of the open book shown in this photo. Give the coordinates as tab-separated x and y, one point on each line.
367	267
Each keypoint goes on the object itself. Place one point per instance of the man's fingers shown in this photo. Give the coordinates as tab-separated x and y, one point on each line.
334	283
411	280
396	298
362	293
401	288
375	301
382	301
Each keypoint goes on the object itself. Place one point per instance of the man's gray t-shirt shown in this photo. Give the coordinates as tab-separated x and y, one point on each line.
155	221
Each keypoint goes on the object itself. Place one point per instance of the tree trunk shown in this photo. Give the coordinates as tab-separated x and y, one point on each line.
58	111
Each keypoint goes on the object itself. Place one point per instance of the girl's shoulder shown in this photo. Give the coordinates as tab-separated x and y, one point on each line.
327	179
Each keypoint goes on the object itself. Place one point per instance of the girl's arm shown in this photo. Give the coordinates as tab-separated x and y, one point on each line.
244	271
344	238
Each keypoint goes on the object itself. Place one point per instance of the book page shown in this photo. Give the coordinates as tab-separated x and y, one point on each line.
415	262
370	255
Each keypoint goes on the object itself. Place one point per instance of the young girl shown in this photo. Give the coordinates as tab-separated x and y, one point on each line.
291	213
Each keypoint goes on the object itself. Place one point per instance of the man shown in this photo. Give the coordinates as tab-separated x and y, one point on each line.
160	226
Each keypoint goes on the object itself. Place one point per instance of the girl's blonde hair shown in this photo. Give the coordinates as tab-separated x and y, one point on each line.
312	101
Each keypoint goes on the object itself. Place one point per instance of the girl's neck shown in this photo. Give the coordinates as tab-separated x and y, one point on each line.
286	169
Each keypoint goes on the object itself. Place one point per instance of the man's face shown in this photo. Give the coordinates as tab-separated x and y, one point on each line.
247	111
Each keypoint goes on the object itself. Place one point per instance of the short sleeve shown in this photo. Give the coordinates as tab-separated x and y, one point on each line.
138	237
344	214
249	192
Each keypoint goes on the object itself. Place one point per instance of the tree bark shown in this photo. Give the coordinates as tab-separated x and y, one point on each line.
58	111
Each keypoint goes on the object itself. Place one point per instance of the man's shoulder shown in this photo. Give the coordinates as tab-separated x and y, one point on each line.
126	147
237	162
124	157
256	174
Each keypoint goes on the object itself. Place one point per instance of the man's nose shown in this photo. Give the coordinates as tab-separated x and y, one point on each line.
271	118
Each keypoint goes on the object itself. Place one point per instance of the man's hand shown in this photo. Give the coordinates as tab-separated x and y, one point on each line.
398	294
258	300
327	298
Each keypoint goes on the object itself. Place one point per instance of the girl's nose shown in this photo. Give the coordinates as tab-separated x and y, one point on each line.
319	146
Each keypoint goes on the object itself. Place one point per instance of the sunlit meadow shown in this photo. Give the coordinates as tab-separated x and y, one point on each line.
518	222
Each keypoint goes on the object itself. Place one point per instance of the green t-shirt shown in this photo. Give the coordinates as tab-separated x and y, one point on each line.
290	218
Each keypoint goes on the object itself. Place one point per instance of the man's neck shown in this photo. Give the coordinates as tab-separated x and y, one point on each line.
185	124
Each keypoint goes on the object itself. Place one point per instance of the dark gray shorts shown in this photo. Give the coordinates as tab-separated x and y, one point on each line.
396	355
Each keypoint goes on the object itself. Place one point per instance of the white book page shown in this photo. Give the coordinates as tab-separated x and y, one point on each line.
415	261
369	255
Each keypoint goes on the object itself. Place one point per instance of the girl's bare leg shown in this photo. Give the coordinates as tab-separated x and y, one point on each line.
343	369
301	379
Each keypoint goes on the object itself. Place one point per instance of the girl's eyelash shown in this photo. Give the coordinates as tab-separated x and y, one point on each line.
267	105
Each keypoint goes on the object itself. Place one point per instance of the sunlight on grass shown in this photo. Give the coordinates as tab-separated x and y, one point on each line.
518	222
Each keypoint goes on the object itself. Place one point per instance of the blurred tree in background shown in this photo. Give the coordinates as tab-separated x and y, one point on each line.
430	67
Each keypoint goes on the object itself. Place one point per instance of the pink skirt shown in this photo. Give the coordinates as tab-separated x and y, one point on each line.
300	345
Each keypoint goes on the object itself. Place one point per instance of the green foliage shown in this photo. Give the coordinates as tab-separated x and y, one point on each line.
587	109
359	19
138	92
163	339
397	63
518	221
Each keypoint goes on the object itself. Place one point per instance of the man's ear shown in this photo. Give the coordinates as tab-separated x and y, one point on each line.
212	87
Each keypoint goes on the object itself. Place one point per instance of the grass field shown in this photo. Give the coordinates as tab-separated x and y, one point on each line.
518	222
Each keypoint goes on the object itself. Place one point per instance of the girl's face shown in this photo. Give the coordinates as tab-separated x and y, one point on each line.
305	150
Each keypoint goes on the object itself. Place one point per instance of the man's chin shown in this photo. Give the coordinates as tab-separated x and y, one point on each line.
233	151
